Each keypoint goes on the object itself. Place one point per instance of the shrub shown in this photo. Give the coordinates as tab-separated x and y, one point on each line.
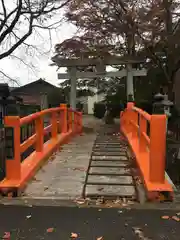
99	110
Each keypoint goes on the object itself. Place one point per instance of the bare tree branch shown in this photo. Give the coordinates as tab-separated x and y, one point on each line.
11	80
4	9
33	12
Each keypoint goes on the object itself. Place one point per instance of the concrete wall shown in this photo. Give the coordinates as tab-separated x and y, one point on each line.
88	102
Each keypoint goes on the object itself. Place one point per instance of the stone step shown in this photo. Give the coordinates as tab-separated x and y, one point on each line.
106	153
109	145
109	171
102	163
110	192
105	139
111	158
102	142
109	180
109	148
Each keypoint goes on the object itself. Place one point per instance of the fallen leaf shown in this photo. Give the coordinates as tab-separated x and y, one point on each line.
80	201
99	238
79	168
138	231
162	198
10	195
29	216
120	211
50	230
178	214
124	204
35	179
7	235
165	217
175	218
74	235
100	201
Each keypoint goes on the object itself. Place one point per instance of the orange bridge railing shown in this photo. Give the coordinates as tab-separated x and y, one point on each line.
63	124
146	135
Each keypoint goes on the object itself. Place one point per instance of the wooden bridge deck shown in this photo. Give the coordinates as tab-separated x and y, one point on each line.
67	175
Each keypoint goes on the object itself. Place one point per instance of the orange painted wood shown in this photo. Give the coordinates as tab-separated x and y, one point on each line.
17	173
39	127
13	166
63	118
149	151
28	143
32	163
54	128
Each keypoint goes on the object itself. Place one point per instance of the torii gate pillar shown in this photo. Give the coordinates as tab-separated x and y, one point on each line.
100	68
72	72
130	83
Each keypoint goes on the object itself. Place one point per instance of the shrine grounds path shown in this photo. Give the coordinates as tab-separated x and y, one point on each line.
34	222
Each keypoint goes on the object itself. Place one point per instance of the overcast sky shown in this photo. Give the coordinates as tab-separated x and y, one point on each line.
21	72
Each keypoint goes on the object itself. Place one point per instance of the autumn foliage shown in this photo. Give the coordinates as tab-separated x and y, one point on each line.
118	27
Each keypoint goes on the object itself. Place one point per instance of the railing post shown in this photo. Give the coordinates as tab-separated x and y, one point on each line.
142	129
54	125
75	122
39	130
63	118
128	117
70	119
134	118
80	122
13	166
157	148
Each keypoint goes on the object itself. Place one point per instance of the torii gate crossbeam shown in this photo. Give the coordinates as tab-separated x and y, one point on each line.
73	74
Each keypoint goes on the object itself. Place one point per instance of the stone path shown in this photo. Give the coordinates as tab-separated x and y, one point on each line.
54	223
109	174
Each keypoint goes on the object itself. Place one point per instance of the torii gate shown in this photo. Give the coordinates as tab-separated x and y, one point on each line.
100	67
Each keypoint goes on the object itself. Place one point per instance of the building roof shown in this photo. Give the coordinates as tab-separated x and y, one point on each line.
32	84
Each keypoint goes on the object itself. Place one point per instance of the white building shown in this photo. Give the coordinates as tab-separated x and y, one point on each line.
88	101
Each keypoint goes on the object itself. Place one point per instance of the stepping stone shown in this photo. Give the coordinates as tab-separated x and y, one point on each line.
109	163
109	145
106	153
110	191
120	158
109	170
108	180
118	149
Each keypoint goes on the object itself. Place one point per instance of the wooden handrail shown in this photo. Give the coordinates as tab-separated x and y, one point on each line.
144	114
149	148
58	117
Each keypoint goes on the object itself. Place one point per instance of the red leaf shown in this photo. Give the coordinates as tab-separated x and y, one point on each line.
74	235
7	236
50	230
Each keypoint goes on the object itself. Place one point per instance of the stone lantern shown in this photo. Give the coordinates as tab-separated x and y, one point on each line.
162	105
167	105
158	107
